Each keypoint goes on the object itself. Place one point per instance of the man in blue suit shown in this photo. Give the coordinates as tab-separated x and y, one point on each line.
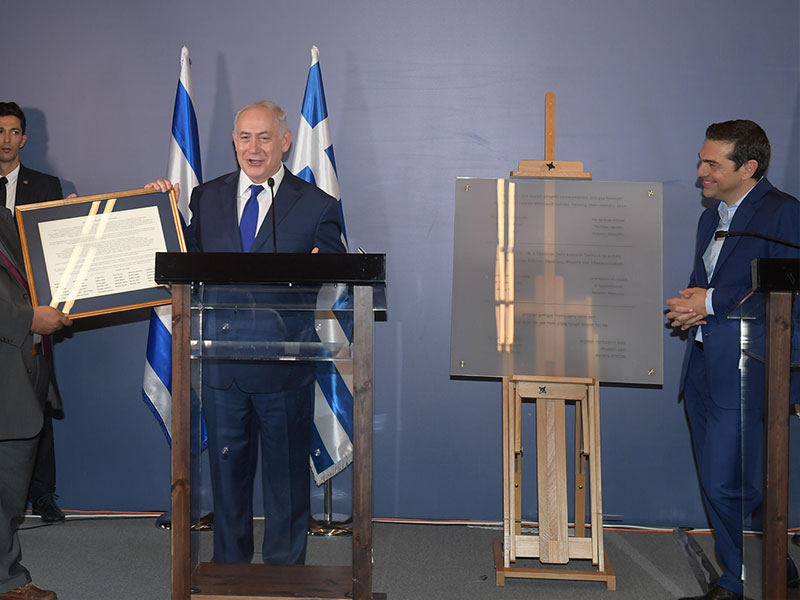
732	167
247	403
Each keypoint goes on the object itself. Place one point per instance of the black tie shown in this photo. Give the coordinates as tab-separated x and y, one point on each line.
3	182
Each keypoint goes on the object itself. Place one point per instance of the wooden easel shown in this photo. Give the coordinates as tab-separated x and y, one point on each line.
550	168
552	545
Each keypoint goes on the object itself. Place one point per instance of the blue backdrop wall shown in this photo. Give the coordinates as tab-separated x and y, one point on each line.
418	93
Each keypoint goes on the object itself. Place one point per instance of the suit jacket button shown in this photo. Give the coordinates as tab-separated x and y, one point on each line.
226	326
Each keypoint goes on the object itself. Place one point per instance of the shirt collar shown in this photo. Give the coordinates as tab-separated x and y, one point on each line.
13	176
245	182
726	212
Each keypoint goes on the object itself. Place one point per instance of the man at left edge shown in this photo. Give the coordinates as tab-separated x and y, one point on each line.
20	185
26	384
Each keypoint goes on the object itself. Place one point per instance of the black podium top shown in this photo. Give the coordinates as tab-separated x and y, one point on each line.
768	275
268	268
775	274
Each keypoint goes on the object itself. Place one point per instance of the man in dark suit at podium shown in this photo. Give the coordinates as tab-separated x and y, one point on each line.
20	185
247	402
732	167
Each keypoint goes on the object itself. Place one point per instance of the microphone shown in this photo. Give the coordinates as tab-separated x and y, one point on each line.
271	184
720	235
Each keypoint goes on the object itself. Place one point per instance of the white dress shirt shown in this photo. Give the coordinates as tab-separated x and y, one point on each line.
11	189
711	254
264	197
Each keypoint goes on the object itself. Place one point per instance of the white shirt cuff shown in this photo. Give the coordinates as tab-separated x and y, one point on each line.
709	304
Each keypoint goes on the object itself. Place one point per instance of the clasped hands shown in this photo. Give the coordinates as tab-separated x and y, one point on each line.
688	309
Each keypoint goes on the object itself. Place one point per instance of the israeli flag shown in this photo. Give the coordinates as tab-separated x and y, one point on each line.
183	166
313	160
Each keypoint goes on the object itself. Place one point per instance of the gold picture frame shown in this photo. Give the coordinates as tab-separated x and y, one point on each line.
94	255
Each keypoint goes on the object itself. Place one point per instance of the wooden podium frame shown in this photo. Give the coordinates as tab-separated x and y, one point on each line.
776	282
220	581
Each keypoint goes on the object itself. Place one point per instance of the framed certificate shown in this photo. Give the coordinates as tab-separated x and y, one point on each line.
96	254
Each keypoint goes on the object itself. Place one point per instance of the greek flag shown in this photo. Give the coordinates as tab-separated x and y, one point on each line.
313	160
183	166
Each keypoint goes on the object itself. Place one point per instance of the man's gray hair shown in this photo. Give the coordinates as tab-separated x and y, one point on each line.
280	116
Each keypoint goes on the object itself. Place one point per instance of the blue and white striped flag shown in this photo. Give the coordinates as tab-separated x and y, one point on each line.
183	166
313	160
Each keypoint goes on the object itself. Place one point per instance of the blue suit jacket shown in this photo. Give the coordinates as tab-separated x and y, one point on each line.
32	187
764	210
306	218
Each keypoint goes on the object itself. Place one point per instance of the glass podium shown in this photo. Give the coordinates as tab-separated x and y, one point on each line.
289	316
770	371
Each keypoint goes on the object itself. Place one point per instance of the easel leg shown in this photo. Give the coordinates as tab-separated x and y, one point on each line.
517	412
596	507
552	480
499	570
580	473
508	477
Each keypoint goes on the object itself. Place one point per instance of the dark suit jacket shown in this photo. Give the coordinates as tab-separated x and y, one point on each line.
20	407
33	186
306	218
764	210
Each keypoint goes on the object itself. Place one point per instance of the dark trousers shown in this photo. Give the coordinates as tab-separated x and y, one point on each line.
280	423
44	470
16	463
727	445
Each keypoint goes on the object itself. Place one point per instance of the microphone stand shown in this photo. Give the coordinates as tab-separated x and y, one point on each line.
721	234
271	184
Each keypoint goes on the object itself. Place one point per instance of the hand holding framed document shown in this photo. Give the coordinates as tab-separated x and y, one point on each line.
96	254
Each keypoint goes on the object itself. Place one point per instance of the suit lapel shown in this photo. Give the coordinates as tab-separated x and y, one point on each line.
704	234
24	191
741	218
225	214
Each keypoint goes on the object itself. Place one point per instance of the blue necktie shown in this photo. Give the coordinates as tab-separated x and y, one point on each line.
249	222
